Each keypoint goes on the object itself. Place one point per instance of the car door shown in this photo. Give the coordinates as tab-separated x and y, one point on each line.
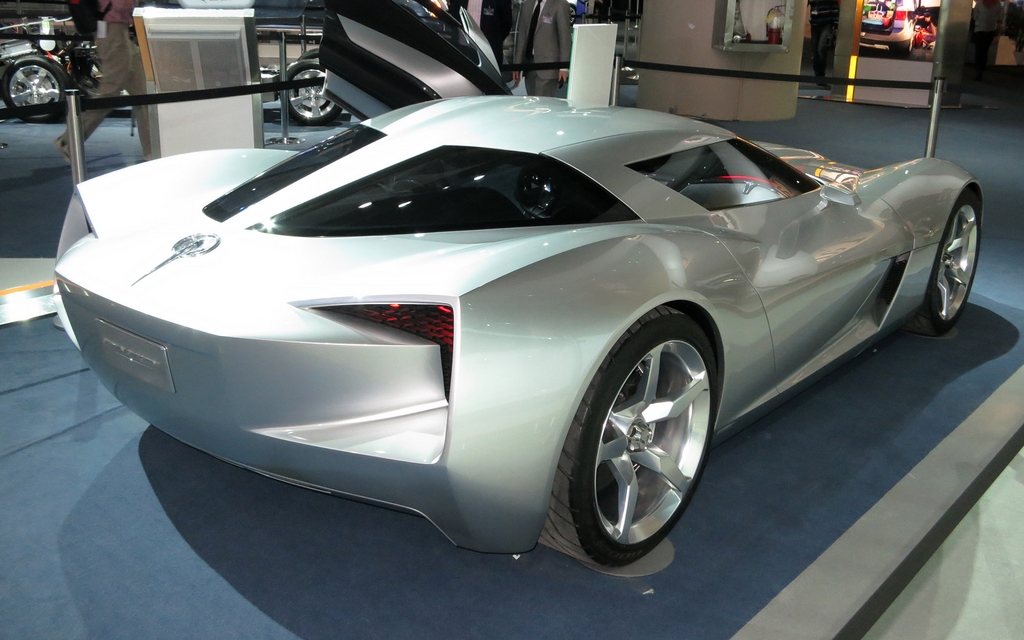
386	54
817	262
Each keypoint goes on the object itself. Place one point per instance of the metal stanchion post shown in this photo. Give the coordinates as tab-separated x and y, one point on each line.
285	98
302	31
76	144
933	122
616	69
625	38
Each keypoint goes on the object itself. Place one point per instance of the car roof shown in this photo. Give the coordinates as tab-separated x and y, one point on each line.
530	124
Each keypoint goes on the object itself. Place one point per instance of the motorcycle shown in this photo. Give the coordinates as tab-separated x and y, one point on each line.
38	72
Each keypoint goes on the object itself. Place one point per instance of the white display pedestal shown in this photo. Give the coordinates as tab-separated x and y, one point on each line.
590	65
196	49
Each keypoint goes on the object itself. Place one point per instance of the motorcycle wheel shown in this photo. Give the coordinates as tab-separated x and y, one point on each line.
308	106
33	80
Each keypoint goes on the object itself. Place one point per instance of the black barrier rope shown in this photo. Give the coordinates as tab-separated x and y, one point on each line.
776	77
74	37
732	73
114	102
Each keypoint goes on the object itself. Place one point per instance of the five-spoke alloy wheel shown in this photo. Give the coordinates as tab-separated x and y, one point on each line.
638	443
953	271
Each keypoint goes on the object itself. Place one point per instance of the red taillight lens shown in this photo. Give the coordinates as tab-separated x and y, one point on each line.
428	321
901	15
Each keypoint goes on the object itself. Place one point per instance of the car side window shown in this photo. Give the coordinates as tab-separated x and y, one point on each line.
727	174
454	188
291	170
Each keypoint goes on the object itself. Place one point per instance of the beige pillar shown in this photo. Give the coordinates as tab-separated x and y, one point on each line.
682	32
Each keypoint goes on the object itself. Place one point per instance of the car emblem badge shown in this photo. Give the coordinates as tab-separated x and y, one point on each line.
191	246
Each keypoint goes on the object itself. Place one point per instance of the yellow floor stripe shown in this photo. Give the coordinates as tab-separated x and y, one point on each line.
27	287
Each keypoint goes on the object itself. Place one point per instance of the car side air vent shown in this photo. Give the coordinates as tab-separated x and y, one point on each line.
432	322
892	281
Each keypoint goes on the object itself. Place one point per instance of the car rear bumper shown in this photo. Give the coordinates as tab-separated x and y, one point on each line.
360	421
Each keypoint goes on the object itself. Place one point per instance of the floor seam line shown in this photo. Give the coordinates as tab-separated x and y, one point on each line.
36	384
7	454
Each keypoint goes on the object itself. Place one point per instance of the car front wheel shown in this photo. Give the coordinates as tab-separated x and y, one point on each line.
308	105
953	270
638	443
34	80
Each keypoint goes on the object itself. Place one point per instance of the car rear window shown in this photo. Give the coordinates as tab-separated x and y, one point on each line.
291	170
727	174
454	188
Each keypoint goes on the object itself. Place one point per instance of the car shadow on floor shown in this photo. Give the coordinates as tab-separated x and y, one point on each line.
773	498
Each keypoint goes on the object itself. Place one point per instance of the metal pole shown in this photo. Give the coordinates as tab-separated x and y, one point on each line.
285	99
614	99
76	144
933	123
625	39
302	30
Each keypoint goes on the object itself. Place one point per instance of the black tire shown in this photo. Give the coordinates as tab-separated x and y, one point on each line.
308	106
33	80
953	271
583	502
312	54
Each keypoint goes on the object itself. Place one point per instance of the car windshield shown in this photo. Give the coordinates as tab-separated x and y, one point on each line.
451	189
291	170
727	174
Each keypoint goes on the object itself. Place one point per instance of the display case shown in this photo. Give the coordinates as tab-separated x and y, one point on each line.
754	25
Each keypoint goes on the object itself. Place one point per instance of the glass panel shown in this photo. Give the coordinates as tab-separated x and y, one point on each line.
291	170
727	174
447	27
451	189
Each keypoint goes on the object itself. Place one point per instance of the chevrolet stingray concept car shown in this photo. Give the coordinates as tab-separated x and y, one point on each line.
512	316
519	318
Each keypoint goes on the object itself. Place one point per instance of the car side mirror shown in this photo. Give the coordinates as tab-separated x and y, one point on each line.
839	194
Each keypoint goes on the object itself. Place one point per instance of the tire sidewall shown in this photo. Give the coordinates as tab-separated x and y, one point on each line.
621	362
328	115
941	325
50	66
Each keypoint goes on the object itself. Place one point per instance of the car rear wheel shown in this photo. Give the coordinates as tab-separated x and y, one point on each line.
953	271
34	80
637	445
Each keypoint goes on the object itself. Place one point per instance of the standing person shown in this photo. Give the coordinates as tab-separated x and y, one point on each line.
824	15
988	20
121	64
494	18
544	36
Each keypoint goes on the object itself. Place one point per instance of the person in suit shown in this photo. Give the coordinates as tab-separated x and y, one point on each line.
544	36
494	18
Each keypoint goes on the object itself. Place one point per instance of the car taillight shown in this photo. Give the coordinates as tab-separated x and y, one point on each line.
901	15
433	322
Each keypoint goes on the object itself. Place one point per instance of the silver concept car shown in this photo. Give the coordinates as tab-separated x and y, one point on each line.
520	319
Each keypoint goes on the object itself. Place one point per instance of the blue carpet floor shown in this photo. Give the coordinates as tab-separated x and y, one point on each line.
110	529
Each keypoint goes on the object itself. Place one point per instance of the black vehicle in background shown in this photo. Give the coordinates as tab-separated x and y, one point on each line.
37	72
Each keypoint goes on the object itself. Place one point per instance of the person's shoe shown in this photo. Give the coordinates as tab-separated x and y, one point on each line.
62	146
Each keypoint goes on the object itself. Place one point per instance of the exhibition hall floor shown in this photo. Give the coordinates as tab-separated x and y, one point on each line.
111	529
